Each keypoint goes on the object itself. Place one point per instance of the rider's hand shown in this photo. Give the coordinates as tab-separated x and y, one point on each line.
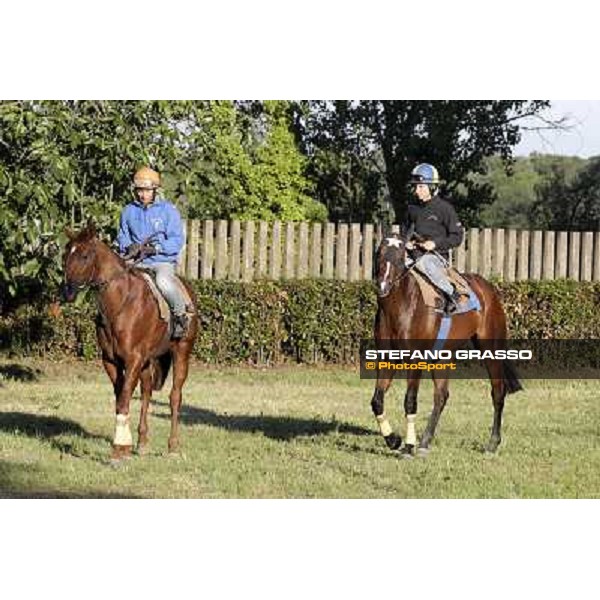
133	250
148	250
429	245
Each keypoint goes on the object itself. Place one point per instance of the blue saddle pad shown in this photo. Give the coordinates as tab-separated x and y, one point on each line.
471	304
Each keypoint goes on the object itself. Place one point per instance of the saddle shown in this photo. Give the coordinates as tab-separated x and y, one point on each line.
163	306
434	298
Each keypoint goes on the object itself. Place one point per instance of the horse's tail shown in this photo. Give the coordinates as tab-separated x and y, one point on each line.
511	378
160	370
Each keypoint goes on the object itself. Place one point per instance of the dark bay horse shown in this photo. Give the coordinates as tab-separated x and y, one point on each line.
402	316
135	342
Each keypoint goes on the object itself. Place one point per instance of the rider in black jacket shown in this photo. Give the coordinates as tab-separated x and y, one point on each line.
435	224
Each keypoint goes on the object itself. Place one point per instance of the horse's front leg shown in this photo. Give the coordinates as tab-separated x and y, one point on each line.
410	412
123	440
115	374
440	397
384	380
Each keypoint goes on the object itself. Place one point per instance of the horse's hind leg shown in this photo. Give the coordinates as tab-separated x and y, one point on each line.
392	440
440	397
181	357
495	370
146	388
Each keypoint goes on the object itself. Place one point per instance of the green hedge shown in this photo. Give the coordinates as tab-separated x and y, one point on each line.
304	321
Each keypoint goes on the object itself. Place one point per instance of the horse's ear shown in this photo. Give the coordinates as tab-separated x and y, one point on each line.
69	233
91	228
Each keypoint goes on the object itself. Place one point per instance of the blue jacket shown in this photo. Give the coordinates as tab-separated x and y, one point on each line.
139	222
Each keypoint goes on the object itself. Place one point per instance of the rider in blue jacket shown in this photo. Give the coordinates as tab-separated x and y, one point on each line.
151	227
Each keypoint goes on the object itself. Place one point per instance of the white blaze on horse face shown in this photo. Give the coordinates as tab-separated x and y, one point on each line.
73	248
383	283
122	431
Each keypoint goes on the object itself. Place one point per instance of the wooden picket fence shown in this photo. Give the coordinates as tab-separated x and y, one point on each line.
251	250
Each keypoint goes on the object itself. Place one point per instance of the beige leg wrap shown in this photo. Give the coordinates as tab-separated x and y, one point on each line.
123	432
384	425
411	430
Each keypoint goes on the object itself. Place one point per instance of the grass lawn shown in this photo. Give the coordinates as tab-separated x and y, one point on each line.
291	432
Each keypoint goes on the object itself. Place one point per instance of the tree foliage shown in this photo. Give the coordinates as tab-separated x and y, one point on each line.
390	137
252	168
64	162
568	195
347	169
515	191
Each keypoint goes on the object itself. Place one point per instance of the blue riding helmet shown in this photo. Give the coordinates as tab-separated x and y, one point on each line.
425	173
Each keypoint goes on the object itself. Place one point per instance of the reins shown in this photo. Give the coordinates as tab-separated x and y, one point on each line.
402	275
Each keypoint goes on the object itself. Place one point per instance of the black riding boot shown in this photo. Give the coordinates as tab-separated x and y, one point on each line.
452	302
180	325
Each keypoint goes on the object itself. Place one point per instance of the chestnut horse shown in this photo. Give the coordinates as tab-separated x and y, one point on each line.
134	341
402	316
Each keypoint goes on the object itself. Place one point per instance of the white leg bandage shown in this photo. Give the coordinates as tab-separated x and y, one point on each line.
411	430
123	432
384	425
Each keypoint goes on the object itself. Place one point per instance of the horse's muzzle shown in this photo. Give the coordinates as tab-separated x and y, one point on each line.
383	288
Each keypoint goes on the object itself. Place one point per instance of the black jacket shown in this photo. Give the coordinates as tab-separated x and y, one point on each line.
435	220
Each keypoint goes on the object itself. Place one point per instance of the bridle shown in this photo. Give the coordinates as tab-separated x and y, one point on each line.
402	272
93	280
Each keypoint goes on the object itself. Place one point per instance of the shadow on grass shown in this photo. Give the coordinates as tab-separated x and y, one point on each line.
278	428
20	480
19	373
49	428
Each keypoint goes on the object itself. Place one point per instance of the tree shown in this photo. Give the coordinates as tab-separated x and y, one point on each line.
514	191
64	162
347	171
251	167
568	195
393	136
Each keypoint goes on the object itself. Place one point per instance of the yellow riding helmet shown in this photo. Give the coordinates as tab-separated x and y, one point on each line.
146	179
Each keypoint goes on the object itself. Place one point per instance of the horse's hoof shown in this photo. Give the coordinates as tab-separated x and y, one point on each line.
423	452
177	455
408	452
174	449
119	454
118	463
142	450
491	447
393	441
